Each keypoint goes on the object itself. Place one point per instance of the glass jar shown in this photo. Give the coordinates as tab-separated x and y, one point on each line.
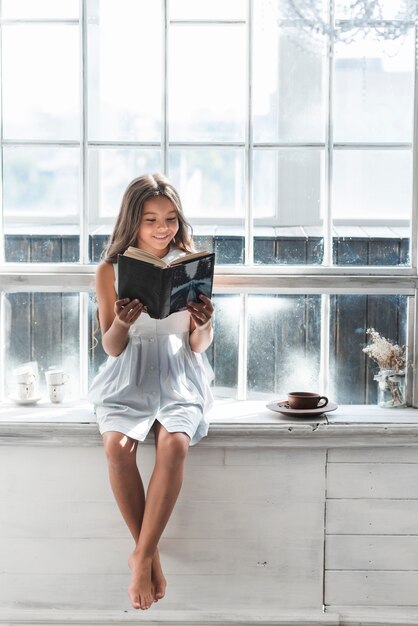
391	389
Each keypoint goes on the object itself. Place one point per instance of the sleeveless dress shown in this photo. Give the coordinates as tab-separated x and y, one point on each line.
156	377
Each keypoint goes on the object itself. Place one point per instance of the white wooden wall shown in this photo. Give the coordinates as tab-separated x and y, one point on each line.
247	532
372	528
260	535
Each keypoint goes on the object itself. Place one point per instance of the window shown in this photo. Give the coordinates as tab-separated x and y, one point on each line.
294	165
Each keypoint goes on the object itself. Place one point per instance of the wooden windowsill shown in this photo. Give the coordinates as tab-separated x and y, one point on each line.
246	423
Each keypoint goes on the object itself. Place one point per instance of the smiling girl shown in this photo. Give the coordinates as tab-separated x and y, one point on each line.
154	379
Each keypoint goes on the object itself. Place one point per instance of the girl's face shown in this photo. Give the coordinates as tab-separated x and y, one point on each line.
158	227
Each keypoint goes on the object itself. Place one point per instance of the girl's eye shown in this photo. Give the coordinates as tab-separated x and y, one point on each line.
149	220
172	219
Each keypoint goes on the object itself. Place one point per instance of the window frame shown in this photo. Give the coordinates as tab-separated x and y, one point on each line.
245	279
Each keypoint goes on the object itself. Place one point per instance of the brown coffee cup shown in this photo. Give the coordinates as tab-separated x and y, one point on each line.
306	400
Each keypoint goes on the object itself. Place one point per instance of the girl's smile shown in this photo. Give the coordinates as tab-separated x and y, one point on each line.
158	227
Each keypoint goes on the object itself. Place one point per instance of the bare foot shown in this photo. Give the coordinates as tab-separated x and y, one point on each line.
141	591
158	579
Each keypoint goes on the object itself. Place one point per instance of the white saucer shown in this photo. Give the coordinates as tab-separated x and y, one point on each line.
32	400
283	407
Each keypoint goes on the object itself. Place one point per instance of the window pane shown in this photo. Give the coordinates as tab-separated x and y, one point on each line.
351	370
41	204
372	187
43	328
125	70
374	87
110	172
97	356
287	81
213	77
287	198
210	182
41	182
223	354
49	9
372	184
44	244
284	339
371	245
214	10
41	89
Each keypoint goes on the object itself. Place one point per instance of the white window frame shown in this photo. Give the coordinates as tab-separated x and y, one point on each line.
244	279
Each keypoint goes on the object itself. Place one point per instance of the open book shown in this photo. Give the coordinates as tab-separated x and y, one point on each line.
165	288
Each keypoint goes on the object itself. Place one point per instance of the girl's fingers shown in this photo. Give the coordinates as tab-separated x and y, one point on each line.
128	311
120	304
133	312
207	302
201	315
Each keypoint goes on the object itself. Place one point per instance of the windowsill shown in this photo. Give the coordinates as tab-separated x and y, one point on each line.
244	423
226	411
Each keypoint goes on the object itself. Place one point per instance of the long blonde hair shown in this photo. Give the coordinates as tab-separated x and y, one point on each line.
125	232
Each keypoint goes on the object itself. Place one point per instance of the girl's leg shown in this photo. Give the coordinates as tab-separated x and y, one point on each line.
128	490
163	490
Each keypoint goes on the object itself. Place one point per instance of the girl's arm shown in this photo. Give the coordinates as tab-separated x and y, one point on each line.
115	316
201	331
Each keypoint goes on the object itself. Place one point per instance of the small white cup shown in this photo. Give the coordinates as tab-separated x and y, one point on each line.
23	375
56	377
56	393
24	391
24	382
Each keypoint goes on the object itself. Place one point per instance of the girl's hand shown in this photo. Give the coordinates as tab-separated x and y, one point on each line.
127	311
201	313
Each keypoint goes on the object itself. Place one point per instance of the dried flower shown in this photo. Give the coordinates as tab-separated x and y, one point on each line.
388	355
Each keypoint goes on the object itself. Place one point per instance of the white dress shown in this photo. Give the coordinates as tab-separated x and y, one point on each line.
156	377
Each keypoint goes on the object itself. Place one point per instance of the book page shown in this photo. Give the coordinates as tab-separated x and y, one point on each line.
191	255
137	253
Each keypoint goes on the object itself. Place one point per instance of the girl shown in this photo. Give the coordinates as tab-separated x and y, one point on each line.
154	378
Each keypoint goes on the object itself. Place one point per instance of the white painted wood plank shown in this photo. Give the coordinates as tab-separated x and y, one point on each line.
83	458
207	593
274	458
271	520
180	557
64	474
161	617
371	588
70	474
199	455
193	519
232	433
60	474
371	517
371	414
372	480
376	615
357	552
294	480
33	518
225	411
46	412
401	454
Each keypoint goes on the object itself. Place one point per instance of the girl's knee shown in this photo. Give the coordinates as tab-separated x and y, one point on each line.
119	448
173	447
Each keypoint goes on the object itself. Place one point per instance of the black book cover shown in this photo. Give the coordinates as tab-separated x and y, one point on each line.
165	290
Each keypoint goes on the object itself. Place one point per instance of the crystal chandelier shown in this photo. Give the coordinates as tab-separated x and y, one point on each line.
348	20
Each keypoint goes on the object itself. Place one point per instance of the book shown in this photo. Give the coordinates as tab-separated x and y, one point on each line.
165	287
